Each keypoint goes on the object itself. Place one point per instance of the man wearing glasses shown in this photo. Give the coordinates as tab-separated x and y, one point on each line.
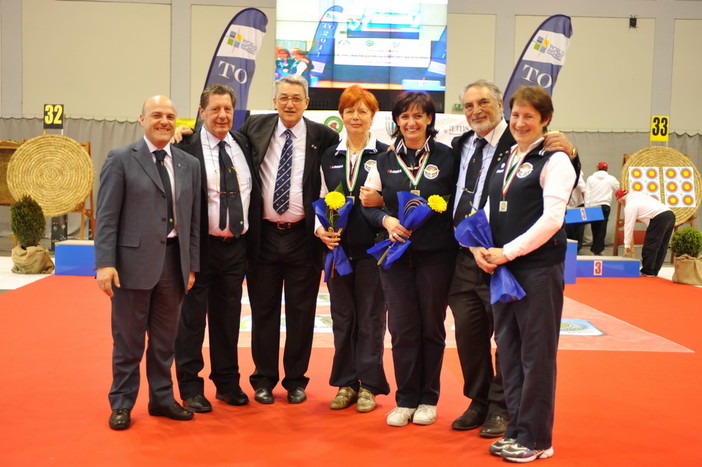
286	152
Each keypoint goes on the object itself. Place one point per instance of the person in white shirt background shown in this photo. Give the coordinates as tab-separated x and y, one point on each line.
576	231
599	188
659	220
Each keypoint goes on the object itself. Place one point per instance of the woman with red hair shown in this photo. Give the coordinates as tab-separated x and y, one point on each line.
357	304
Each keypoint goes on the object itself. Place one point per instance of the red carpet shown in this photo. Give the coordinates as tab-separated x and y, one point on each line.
614	407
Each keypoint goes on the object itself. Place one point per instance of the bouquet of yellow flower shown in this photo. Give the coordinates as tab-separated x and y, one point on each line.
333	213
414	211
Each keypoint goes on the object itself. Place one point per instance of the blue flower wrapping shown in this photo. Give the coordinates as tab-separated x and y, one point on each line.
415	211
336	258
475	231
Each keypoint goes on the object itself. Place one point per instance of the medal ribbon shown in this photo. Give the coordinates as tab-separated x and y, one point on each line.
352	170
423	160
510	173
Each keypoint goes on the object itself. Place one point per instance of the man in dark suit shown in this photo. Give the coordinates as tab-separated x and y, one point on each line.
286	150
229	223
147	244
481	151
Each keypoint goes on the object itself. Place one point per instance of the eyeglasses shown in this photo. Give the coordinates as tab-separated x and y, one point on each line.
296	100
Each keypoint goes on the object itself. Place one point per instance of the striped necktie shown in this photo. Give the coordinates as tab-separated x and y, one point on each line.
281	193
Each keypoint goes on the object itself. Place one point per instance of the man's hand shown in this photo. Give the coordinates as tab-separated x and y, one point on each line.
191	279
370	198
628	251
180	133
480	255
557	141
105	277
395	230
330	239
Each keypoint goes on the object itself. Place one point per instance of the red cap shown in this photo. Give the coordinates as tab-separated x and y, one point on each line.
602	166
622	192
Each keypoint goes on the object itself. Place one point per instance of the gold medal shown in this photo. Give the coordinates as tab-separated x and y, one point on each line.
416	192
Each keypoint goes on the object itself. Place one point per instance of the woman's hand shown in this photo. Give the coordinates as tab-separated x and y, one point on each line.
370	198
330	239
496	256
480	255
395	230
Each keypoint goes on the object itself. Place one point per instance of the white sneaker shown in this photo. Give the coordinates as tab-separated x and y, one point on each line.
400	416
425	415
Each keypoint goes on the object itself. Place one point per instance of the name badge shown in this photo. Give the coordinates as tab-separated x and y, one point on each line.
503	206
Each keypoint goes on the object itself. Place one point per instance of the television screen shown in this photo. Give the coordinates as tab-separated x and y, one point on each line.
386	46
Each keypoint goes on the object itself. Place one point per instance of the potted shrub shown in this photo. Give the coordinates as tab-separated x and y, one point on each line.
27	224
686	245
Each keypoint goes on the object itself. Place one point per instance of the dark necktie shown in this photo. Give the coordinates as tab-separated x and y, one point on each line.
281	193
166	181
465	203
229	195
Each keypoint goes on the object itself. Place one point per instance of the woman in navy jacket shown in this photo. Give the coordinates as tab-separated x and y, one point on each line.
416	285
357	305
527	202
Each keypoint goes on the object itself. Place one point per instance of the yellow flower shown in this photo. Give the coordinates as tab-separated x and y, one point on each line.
437	203
334	200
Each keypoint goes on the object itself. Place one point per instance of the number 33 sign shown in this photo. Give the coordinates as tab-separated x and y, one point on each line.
660	127
53	116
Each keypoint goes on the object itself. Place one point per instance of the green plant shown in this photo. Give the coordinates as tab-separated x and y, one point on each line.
27	221
687	241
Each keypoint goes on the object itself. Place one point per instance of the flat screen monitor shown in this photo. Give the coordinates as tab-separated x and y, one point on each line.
386	46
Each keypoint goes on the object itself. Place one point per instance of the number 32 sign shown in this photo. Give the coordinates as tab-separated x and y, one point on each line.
53	116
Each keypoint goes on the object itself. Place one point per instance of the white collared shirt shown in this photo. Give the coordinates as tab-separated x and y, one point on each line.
269	171
210	153
168	162
492	138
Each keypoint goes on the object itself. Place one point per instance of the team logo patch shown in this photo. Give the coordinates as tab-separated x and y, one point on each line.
370	163
334	123
431	171
525	170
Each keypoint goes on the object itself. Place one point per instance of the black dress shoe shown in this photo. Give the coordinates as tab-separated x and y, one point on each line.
297	396
120	419
494	427
470	420
264	396
173	411
236	397
198	403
